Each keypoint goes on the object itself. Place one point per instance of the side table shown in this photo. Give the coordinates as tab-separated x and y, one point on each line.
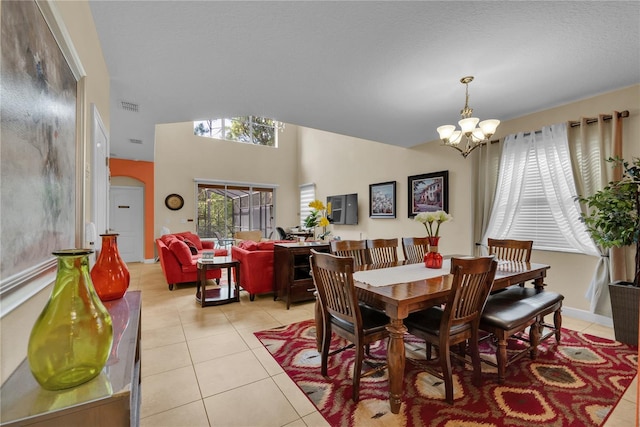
218	295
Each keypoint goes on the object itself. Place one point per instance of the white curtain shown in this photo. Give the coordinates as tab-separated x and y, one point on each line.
550	151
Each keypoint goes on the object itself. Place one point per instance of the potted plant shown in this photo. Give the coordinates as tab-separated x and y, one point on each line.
614	221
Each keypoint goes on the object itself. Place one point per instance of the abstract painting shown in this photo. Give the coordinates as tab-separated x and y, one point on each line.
38	165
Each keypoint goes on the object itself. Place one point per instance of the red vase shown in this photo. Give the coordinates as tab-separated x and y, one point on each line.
110	274
433	259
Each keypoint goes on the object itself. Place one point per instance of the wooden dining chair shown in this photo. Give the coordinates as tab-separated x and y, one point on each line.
414	248
341	313
382	250
353	248
510	250
458	321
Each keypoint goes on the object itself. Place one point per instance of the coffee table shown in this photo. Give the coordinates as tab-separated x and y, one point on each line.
219	295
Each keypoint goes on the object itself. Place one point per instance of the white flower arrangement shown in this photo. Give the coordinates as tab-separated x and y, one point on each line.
428	218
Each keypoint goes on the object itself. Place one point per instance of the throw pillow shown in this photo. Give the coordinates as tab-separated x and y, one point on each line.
192	247
265	246
248	245
193	238
181	251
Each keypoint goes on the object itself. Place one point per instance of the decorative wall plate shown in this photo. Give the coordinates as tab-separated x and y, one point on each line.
174	202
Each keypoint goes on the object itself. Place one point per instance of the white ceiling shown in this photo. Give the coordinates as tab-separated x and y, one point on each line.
386	71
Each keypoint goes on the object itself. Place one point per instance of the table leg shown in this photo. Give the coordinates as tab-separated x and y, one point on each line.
395	363
538	283
201	286
237	282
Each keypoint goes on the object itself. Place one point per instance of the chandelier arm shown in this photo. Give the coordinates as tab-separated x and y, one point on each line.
476	145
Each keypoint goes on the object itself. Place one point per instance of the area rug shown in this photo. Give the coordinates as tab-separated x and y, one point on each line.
576	383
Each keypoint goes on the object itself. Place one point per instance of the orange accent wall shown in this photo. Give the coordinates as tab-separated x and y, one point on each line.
142	171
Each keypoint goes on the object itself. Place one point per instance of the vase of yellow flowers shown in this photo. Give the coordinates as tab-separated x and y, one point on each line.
319	218
431	220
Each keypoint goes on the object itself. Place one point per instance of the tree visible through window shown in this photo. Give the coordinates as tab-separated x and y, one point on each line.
248	129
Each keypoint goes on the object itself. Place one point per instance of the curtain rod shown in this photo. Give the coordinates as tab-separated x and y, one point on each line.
572	123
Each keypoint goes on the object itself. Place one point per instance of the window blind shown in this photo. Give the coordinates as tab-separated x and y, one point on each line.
534	219
307	195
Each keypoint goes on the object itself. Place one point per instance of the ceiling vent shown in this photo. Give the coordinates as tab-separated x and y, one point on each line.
130	106
135	141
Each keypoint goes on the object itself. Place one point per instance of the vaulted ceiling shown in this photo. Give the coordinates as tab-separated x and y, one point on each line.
387	71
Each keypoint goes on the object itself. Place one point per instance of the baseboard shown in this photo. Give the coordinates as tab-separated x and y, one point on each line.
588	316
150	261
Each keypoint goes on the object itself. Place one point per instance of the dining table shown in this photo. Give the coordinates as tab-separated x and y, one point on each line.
400	288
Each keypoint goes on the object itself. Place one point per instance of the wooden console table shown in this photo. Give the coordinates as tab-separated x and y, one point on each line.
110	399
292	279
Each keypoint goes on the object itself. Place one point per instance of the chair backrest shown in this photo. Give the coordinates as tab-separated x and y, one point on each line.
383	250
282	233
357	249
333	278
511	250
472	282
254	235
414	248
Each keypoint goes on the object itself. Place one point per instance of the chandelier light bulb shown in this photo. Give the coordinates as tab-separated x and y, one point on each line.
489	127
446	131
468	125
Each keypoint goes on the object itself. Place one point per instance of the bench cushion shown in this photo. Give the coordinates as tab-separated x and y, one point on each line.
516	305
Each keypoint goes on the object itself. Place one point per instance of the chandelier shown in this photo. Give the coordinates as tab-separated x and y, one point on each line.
472	136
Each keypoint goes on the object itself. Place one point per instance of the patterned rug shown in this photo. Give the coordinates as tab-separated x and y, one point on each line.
576	383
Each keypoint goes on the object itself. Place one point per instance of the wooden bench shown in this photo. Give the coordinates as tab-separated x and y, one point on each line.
511	311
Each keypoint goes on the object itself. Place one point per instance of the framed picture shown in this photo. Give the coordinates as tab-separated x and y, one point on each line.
41	155
382	200
428	192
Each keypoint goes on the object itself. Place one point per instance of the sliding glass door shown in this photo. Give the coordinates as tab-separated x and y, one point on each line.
224	209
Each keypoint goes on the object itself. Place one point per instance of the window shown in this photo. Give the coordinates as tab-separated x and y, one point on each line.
307	195
534	219
535	194
224	209
247	129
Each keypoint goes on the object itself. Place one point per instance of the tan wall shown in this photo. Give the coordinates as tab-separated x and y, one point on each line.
15	327
181	156
340	164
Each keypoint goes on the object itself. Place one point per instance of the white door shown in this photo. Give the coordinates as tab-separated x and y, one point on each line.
100	176
126	215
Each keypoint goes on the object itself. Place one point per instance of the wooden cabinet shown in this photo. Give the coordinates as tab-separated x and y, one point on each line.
292	271
110	399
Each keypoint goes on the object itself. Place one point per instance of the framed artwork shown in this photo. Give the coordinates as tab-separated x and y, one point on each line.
428	192
40	155
382	200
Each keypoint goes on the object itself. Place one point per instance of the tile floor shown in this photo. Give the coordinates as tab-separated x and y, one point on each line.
204	367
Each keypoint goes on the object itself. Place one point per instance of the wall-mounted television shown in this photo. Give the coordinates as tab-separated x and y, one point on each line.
344	209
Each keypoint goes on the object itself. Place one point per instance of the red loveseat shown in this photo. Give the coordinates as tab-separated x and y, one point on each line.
177	260
256	266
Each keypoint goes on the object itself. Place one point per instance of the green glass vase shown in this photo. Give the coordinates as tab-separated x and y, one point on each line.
71	339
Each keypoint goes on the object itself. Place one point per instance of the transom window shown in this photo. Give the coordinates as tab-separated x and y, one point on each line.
248	129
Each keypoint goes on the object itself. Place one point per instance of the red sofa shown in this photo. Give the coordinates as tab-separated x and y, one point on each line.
177	260
256	266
